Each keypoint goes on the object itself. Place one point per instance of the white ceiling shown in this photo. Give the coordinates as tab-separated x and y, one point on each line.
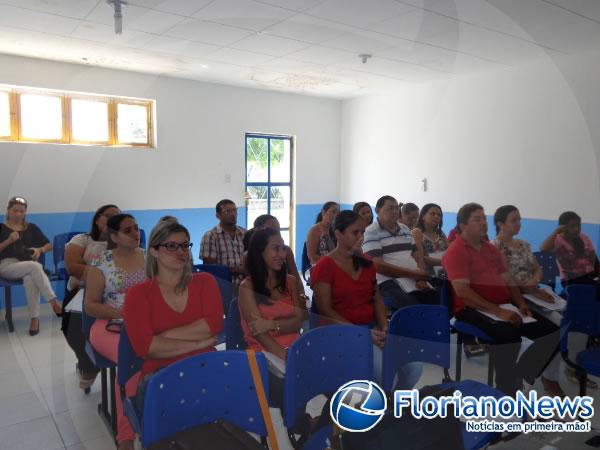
305	46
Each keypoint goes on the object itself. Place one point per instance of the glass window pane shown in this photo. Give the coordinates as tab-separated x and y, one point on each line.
89	120
280	205
4	114
256	160
280	160
257	205
132	124
41	117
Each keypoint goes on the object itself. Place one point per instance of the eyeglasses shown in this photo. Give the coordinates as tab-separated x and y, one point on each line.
174	246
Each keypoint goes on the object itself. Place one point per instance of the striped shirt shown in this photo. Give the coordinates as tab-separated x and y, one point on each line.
395	248
226	249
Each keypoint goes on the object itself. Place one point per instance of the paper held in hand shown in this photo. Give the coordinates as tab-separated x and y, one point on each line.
509	307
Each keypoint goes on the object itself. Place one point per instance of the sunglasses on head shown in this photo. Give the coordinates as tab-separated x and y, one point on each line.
17	201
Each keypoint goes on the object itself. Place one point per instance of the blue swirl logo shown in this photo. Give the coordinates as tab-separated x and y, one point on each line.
358	405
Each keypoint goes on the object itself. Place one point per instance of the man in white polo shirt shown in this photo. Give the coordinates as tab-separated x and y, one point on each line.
391	242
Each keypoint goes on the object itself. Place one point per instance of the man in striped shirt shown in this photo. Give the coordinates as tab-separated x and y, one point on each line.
224	243
391	242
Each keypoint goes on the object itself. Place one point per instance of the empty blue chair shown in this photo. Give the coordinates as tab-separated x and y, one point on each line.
201	389
128	365
420	333
107	375
58	254
321	361
234	335
223	276
463	329
582	315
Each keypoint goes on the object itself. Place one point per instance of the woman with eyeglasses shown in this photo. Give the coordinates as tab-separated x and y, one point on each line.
21	245
117	269
80	251
174	313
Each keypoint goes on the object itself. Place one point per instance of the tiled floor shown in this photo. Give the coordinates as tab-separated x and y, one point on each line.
42	407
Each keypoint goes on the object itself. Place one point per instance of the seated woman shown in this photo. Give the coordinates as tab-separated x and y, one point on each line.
270	305
320	238
21	245
363	209
345	284
526	273
574	251
80	251
120	267
429	237
174	313
268	221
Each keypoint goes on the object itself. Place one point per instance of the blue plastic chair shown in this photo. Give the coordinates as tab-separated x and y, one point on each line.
582	315
234	335
142	238
223	276
58	254
201	389
319	362
420	333
547	261
107	375
7	285
463	329
128	365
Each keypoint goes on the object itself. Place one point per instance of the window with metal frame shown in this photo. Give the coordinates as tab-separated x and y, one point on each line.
40	115
269	180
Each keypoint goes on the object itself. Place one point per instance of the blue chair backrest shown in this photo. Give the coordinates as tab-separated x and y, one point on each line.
419	333
321	361
223	276
58	248
201	389
547	261
129	363
305	263
446	296
234	335
582	314
142	238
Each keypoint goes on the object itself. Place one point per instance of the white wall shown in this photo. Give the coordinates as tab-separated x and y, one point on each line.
528	135
200	130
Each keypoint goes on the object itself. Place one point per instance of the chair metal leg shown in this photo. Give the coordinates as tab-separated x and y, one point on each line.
459	349
491	368
582	383
113	400
8	307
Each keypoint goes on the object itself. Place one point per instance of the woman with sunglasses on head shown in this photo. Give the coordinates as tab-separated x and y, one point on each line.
80	251
21	245
117	269
174	313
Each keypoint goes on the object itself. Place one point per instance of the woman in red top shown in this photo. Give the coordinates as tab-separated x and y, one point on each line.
173	314
269	303
345	284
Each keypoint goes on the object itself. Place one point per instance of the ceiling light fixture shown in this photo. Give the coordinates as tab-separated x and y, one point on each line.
118	5
364	57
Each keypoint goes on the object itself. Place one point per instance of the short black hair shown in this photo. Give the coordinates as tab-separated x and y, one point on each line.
464	214
381	201
224	202
501	215
407	208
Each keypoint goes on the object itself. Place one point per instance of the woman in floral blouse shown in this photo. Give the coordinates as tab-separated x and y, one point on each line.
118	268
429	237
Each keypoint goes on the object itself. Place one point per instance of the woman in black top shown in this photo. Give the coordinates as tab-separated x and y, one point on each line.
21	245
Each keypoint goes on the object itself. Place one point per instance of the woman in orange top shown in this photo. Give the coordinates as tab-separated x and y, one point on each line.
269	302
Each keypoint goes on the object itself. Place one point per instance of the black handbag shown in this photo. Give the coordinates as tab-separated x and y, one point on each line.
219	435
